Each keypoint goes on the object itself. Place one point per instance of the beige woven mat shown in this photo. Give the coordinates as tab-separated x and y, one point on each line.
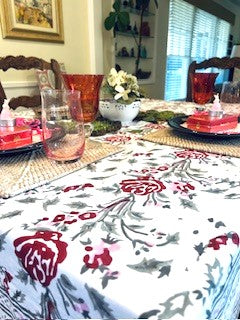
170	137
26	171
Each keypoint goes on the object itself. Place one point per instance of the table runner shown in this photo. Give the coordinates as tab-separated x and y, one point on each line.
168	136
26	171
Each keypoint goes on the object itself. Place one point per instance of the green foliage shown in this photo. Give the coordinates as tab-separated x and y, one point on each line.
117	18
102	126
156	3
156	116
120	20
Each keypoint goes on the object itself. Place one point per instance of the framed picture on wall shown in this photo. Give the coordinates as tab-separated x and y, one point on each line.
39	20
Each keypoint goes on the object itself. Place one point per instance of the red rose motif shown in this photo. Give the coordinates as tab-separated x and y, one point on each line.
103	258
142	185
191	154
40	254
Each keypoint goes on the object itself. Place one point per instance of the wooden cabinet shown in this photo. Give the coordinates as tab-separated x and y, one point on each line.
126	45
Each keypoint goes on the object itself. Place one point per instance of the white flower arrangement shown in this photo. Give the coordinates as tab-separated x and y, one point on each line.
121	86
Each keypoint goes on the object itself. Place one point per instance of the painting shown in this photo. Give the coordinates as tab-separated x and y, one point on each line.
39	20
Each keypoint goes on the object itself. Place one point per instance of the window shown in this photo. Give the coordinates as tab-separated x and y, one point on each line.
193	34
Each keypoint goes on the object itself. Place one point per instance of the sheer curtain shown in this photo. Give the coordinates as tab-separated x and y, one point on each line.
193	34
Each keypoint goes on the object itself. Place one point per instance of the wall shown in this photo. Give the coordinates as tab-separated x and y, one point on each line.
235	30
80	24
156	90
108	48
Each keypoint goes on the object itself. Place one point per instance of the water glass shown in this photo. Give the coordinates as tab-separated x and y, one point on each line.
62	125
231	92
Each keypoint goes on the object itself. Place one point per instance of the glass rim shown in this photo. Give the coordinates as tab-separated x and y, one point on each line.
205	73
83	74
59	90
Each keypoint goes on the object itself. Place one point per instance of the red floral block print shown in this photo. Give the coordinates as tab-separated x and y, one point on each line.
155	126
67	189
235	239
142	185
59	218
142	154
87	215
87	185
182	187
40	254
70	188
191	154
102	258
118	138
7	279
215	243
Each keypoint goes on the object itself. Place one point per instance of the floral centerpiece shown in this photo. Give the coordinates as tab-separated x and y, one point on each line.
121	97
121	86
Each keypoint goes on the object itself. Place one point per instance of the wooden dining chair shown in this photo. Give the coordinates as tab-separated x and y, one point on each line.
220	63
26	63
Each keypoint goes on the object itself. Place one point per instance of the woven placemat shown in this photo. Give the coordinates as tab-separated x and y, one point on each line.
29	170
170	137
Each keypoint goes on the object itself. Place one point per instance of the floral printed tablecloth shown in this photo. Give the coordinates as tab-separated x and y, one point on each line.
151	232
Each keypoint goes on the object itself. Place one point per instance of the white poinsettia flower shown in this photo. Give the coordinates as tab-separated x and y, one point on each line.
122	93
121	86
136	93
132	79
116	78
122	74
113	72
112	77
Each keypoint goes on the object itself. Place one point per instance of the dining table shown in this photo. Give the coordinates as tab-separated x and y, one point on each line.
148	231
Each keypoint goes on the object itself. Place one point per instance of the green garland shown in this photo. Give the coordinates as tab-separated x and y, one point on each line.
102	126
155	116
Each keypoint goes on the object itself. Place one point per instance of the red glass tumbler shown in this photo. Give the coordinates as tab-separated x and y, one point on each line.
89	86
202	86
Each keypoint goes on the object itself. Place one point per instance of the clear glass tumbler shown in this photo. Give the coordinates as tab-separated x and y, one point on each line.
230	92
62	125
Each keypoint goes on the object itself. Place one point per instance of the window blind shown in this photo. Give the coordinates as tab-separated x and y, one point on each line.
193	34
214	8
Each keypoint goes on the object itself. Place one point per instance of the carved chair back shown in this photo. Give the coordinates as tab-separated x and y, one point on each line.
27	63
220	63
